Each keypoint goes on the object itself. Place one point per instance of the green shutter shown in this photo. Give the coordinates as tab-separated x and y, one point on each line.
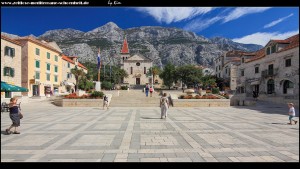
55	68
12	52
56	58
6	50
37	64
12	72
48	55
4	71
48	66
37	75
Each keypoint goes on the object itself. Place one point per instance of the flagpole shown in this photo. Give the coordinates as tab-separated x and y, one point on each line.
99	67
98	83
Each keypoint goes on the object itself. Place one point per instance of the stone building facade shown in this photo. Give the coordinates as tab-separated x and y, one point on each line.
137	67
10	64
225	67
273	72
41	66
68	79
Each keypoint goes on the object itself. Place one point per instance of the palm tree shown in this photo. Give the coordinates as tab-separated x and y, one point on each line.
77	73
154	71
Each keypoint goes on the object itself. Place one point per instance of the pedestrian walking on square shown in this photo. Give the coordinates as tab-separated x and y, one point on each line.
14	116
147	90
151	91
291	113
105	102
164	105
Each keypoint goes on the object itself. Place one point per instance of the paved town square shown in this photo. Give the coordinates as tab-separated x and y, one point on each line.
227	134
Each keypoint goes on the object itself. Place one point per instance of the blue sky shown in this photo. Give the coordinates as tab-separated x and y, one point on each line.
242	24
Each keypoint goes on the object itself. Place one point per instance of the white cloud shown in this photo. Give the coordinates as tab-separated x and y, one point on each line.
277	21
262	38
241	11
198	25
174	14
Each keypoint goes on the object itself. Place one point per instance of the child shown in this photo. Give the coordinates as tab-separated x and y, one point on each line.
151	91
292	113
105	102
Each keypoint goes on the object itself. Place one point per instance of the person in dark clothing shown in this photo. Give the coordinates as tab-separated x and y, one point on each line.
14	116
255	95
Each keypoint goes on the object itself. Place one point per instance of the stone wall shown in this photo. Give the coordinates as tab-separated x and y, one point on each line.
81	102
198	102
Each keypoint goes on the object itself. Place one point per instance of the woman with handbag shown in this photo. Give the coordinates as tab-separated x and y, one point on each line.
15	116
164	105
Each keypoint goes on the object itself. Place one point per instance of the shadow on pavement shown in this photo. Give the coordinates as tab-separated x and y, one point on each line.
149	118
269	108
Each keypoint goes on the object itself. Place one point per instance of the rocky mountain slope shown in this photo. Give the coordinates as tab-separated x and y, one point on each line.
160	44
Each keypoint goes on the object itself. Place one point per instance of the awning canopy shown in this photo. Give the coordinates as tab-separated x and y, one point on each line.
68	84
12	88
254	83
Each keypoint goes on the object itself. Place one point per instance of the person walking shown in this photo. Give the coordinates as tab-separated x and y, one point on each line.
291	113
105	102
14	116
164	105
151	91
147	90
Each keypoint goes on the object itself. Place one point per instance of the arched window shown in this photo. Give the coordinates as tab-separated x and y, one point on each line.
271	86
287	84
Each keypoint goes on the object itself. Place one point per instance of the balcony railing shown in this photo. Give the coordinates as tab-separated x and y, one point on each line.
269	72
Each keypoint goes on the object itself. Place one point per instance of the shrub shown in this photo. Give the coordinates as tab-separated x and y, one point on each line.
106	85
181	97
208	91
124	87
96	94
215	90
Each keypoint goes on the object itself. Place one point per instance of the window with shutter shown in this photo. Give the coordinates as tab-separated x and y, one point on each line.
12	72
5	71
6	50
12	52
37	64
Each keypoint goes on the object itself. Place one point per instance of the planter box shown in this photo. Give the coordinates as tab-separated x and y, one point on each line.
79	102
199	102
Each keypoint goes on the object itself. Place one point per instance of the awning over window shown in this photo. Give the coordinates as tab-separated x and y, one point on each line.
68	84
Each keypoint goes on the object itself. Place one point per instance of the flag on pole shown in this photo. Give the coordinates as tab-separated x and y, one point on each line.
98	58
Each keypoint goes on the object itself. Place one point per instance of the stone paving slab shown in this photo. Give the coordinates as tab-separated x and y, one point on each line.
231	134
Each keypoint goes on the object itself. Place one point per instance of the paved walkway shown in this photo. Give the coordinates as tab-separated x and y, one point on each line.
50	133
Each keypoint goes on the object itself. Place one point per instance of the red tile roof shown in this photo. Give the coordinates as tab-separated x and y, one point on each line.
10	40
125	47
36	41
292	42
68	59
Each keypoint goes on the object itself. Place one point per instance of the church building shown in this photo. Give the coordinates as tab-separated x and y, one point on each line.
137	66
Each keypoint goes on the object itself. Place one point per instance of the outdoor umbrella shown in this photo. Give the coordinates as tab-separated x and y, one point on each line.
12	88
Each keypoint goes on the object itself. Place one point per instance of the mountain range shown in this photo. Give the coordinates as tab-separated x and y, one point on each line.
161	44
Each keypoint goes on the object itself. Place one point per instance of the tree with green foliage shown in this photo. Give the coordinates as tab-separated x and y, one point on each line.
106	85
78	73
119	74
207	81
85	83
189	74
168	75
155	70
